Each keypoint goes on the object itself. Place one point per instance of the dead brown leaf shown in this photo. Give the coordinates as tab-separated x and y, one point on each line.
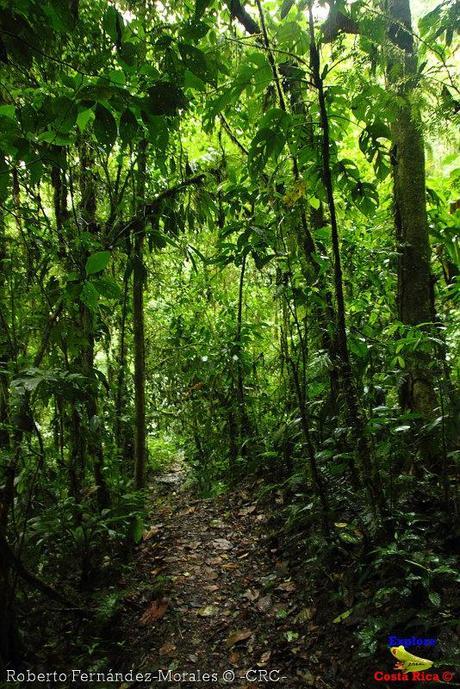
305	615
251	595
264	658
154	612
222	544
288	586
247	510
234	658
237	636
167	649
153	531
264	603
207	611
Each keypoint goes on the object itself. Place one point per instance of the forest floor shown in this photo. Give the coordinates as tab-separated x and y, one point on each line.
210	595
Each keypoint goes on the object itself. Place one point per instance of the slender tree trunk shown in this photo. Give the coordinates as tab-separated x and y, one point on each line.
354	413
139	330
86	358
243	419
122	428
322	315
6	467
61	213
415	285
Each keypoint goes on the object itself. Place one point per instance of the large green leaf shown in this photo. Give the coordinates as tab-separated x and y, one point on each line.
107	288
200	7
128	126
105	127
164	98
113	24
89	295
97	262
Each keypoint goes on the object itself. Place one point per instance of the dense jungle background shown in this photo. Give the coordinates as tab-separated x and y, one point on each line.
229	318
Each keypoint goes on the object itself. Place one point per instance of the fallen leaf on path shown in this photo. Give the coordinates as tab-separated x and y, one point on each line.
230	565
287	586
264	658
304	615
154	612
236	637
184	513
234	658
247	510
291	636
167	649
207	611
264	603
153	531
222	544
307	677
251	595
156	571
210	574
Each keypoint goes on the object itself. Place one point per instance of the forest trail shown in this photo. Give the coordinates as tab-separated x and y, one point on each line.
227	602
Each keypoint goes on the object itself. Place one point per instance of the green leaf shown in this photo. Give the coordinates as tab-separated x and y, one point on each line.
65	114
164	98
83	118
195	60
128	127
8	111
137	528
97	262
89	295
342	616
113	24
107	288
435	599
105	127
200	7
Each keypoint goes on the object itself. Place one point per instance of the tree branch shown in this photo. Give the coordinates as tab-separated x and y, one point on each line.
152	206
238	11
8	556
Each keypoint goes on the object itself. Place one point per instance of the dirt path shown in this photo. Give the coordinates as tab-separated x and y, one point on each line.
211	596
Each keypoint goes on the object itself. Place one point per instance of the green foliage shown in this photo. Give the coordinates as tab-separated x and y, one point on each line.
154	146
97	262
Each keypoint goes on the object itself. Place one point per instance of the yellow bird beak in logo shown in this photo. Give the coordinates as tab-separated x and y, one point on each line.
409	662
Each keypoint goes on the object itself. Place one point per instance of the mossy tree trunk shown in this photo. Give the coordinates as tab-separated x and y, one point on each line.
415	285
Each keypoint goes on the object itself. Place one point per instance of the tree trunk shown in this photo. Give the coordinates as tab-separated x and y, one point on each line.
122	428
86	357
354	413
6	468
415	286
139	331
243	419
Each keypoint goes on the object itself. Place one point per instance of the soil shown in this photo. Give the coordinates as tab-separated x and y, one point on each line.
226	610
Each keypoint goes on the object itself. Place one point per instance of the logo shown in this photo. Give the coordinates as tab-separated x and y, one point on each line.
411	642
410	667
408	662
